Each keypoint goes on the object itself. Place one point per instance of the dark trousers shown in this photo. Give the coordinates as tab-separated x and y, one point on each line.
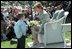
21	42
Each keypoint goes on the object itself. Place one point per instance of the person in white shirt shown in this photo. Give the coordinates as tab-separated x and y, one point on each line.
59	8
59	12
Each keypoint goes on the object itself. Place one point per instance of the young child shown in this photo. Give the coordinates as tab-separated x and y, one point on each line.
20	30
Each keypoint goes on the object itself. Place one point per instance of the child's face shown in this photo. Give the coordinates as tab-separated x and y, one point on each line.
23	17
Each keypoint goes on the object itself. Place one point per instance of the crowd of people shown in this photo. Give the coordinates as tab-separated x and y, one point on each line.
14	20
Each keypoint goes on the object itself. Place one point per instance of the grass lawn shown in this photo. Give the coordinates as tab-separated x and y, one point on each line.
6	44
68	35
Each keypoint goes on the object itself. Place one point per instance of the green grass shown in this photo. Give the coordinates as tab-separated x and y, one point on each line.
68	35
28	39
6	44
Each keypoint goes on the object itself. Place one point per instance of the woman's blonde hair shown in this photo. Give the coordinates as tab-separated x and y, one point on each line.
38	5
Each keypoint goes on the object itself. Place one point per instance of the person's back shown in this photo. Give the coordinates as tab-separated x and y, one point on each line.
3	27
18	26
67	7
11	33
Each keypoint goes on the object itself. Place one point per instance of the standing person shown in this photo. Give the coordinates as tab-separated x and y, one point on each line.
67	7
3	28
49	11
20	30
43	15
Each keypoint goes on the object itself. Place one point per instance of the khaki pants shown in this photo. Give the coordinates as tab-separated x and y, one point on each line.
35	31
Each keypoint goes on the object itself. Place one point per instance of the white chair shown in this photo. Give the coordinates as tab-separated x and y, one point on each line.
53	32
58	15
54	15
